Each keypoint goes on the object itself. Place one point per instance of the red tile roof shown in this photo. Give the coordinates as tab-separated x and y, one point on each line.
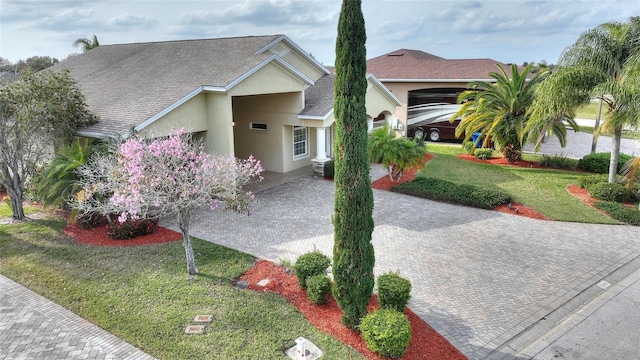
416	64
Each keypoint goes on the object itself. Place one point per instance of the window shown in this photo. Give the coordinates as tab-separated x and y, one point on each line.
258	126
300	147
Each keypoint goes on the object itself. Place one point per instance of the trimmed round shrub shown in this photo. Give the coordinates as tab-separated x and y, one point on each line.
609	192
309	264
599	162
386	332
483	154
394	291
468	147
318	288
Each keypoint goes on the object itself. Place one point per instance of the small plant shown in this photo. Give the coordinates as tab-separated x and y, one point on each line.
609	192
620	212
599	162
132	228
587	181
318	288
442	190
483	153
558	162
468	147
394	291
512	153
329	169
310	264
386	332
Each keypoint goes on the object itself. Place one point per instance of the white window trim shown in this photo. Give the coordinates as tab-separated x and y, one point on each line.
306	142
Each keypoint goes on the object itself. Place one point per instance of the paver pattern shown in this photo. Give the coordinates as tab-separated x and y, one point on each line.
32	327
478	277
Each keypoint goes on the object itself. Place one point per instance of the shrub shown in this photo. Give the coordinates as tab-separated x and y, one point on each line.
558	162
609	192
92	220
132	228
599	162
310	264
318	288
442	190
587	181
329	169
394	291
620	212
483	153
512	153
386	332
468	147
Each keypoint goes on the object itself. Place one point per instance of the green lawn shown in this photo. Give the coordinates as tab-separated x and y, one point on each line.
143	295
5	209
542	189
590	111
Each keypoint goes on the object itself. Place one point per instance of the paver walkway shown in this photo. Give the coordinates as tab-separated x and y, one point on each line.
478	277
32	327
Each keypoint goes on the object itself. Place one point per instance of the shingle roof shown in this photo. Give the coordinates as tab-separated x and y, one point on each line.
127	84
319	97
404	64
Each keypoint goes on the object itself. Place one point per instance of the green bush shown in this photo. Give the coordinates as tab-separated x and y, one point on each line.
599	162
310	264
620	212
318	288
386	332
587	181
132	228
483	153
394	291
446	191
609	192
468	147
558	162
329	169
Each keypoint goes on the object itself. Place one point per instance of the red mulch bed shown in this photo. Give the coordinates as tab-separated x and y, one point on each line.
384	183
425	343
501	161
98	236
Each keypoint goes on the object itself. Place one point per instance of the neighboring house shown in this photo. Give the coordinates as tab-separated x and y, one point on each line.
421	80
254	95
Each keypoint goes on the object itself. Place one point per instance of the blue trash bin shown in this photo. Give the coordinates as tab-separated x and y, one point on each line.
475	137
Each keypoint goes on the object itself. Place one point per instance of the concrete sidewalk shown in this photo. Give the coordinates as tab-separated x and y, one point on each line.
605	328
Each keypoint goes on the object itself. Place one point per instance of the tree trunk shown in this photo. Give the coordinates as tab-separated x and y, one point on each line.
615	152
594	142
16	203
183	223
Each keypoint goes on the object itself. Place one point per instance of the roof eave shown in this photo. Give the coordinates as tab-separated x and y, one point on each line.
434	80
315	117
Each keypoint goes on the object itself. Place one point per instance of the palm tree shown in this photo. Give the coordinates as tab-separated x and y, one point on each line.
499	110
87	44
396	154
603	63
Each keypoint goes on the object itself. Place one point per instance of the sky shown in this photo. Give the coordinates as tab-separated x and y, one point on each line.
509	31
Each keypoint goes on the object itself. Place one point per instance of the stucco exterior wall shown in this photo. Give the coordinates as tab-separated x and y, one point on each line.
272	78
219	113
192	116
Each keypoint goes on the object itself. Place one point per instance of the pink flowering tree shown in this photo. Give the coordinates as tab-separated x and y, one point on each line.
173	176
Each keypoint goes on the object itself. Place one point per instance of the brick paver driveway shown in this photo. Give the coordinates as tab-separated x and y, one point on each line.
479	277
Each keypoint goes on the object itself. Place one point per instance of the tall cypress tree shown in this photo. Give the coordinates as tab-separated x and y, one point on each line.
353	256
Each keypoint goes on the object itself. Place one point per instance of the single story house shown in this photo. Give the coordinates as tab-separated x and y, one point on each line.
421	80
255	95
